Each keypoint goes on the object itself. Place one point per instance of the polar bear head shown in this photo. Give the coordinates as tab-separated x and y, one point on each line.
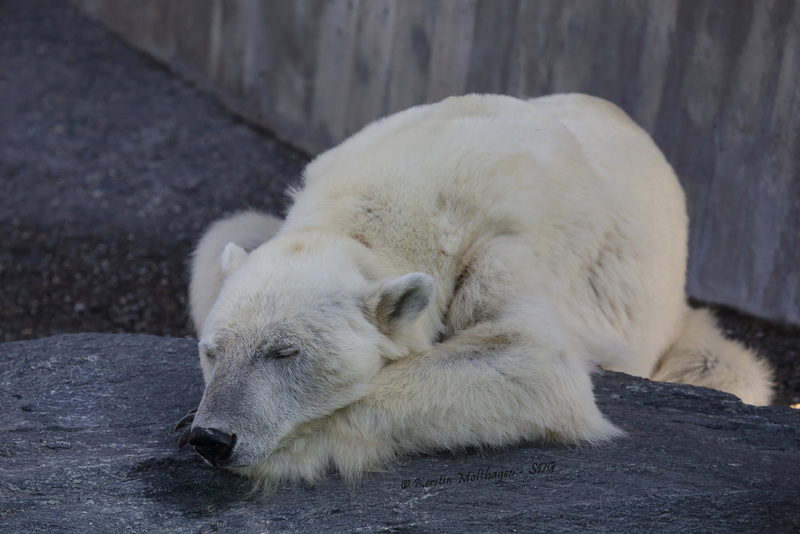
298	331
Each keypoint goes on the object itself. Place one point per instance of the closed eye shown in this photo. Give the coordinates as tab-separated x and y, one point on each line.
287	352
211	353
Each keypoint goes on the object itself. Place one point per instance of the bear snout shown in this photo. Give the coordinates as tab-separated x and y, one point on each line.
214	445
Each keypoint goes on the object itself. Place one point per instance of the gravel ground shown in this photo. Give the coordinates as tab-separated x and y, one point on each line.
110	167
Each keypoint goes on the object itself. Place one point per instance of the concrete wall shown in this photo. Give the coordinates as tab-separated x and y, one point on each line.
717	83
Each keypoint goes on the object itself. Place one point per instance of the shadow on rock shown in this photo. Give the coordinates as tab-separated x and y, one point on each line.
187	483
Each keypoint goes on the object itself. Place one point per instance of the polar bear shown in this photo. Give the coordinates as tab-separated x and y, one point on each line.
449	277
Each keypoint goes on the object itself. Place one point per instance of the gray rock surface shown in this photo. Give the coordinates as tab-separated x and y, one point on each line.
86	446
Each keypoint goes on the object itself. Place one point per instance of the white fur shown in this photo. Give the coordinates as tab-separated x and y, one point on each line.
545	237
248	230
702	357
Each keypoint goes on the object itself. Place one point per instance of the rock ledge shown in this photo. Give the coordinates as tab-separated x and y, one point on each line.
86	445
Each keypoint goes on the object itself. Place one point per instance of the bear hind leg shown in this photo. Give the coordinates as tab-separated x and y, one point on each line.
701	356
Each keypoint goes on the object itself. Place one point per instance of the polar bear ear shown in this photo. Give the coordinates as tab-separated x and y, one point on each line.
403	300
233	257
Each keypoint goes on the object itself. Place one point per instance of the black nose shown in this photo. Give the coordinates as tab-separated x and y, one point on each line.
214	445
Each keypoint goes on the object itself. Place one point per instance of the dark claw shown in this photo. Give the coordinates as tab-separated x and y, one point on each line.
184	439
186	420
